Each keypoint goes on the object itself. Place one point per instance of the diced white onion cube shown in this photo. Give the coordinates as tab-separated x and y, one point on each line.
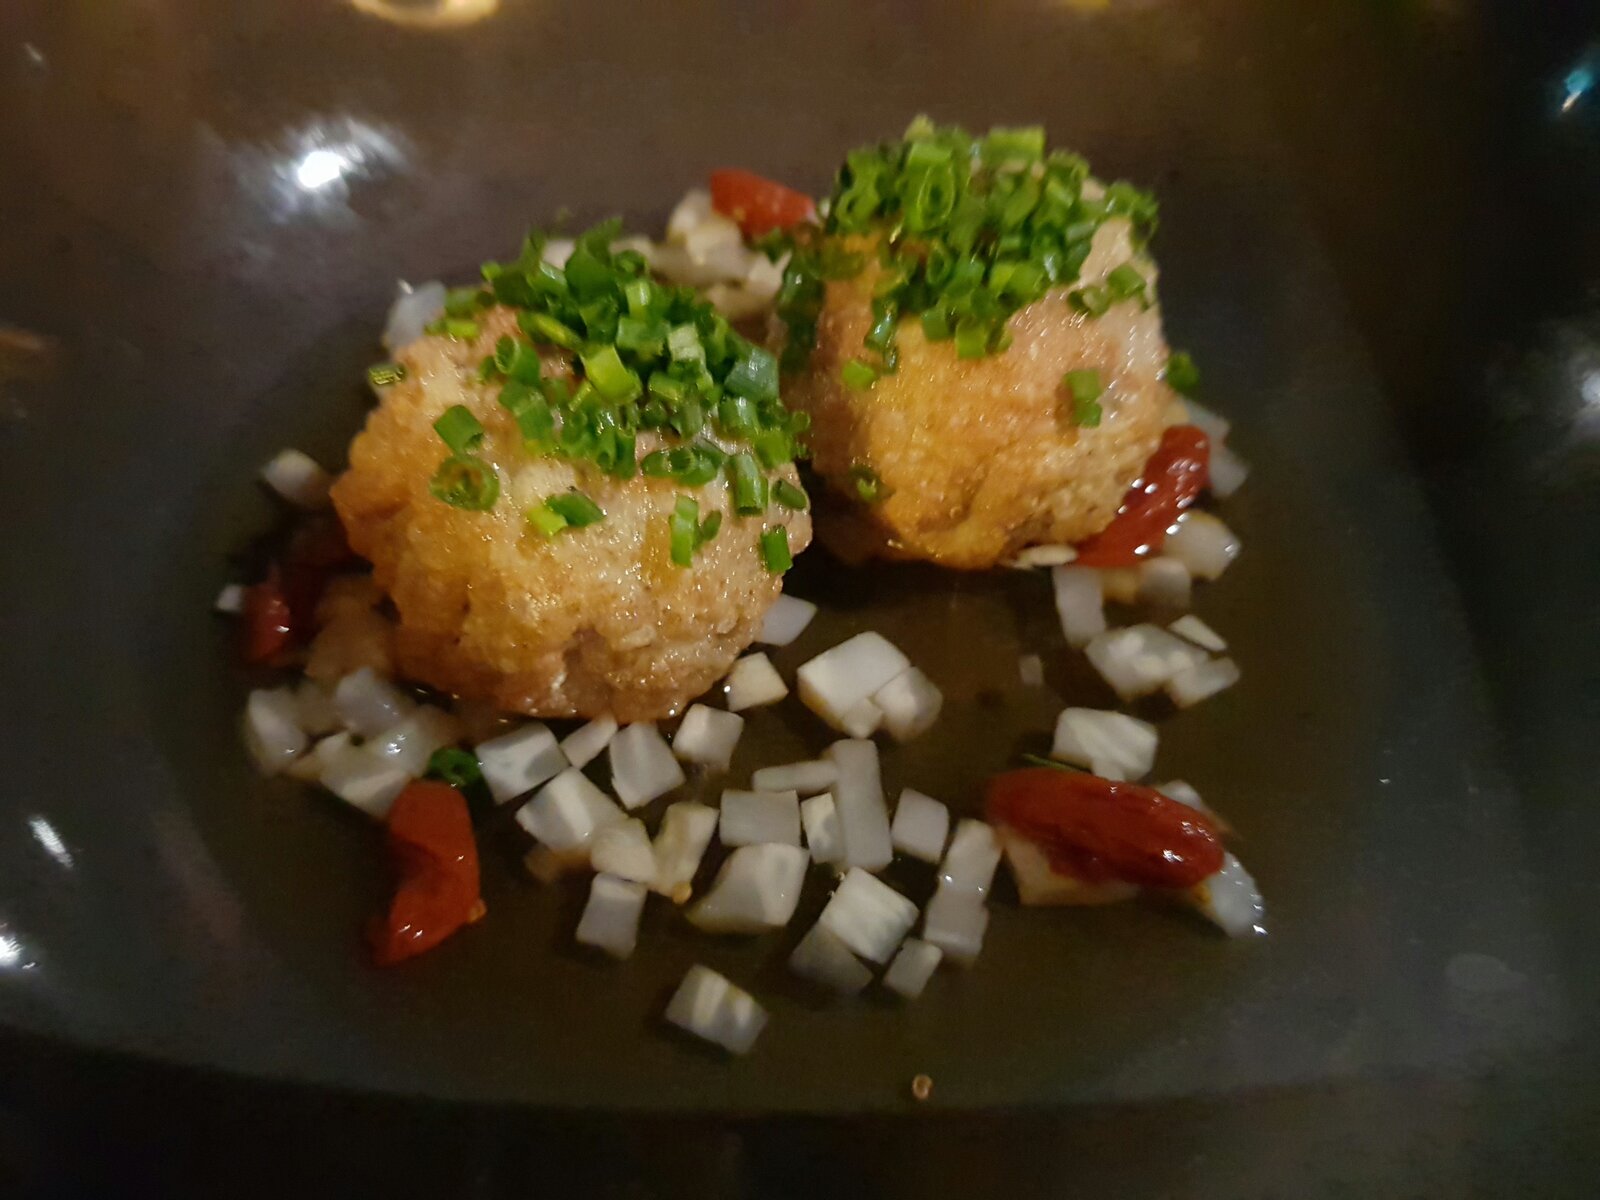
862	719
753	682
1080	603
858	797
318	714
567	812
1232	900
520	760
868	915
1183	793
642	766
1203	544
710	1007
298	478
970	862
921	825
414	308
272	728
1214	425
368	703
1228	471
836	682
622	848
785	620
825	960
1111	744
410	744
912	967
681	842
690	212
707	736
230	599
955	921
1165	582
582	745
1197	631
821	821
749	818
910	704
803	777
1139	660
1030	669
610	920
1042	556
362	779
756	890
1201	681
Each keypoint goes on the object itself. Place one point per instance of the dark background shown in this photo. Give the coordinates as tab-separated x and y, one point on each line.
1453	171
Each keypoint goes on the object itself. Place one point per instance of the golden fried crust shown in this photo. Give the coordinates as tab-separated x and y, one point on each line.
980	457
595	620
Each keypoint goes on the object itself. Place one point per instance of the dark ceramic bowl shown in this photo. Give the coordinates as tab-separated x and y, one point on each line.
1366	207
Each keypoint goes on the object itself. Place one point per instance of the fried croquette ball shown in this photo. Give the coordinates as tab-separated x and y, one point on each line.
976	459
589	621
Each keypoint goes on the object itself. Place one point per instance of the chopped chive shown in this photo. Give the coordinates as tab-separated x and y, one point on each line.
455	766
1094	300
576	509
749	485
868	487
546	520
789	495
461	328
684	525
1084	388
1125	283
603	368
775	550
709	527
465	481
385	374
858	374
1181	374
463	302
459	429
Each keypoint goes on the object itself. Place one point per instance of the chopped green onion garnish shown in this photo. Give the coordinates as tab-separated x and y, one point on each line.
603	368
1125	283
709	527
463	302
385	374
684	524
749	485
1094	300
455	766
788	495
465	481
461	328
968	231
575	508
459	429
1181	374
868	487
1084	387
775	550
546	520
857	374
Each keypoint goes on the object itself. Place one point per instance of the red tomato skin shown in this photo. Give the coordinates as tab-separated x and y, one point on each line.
436	859
268	622
1175	475
758	205
1102	830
